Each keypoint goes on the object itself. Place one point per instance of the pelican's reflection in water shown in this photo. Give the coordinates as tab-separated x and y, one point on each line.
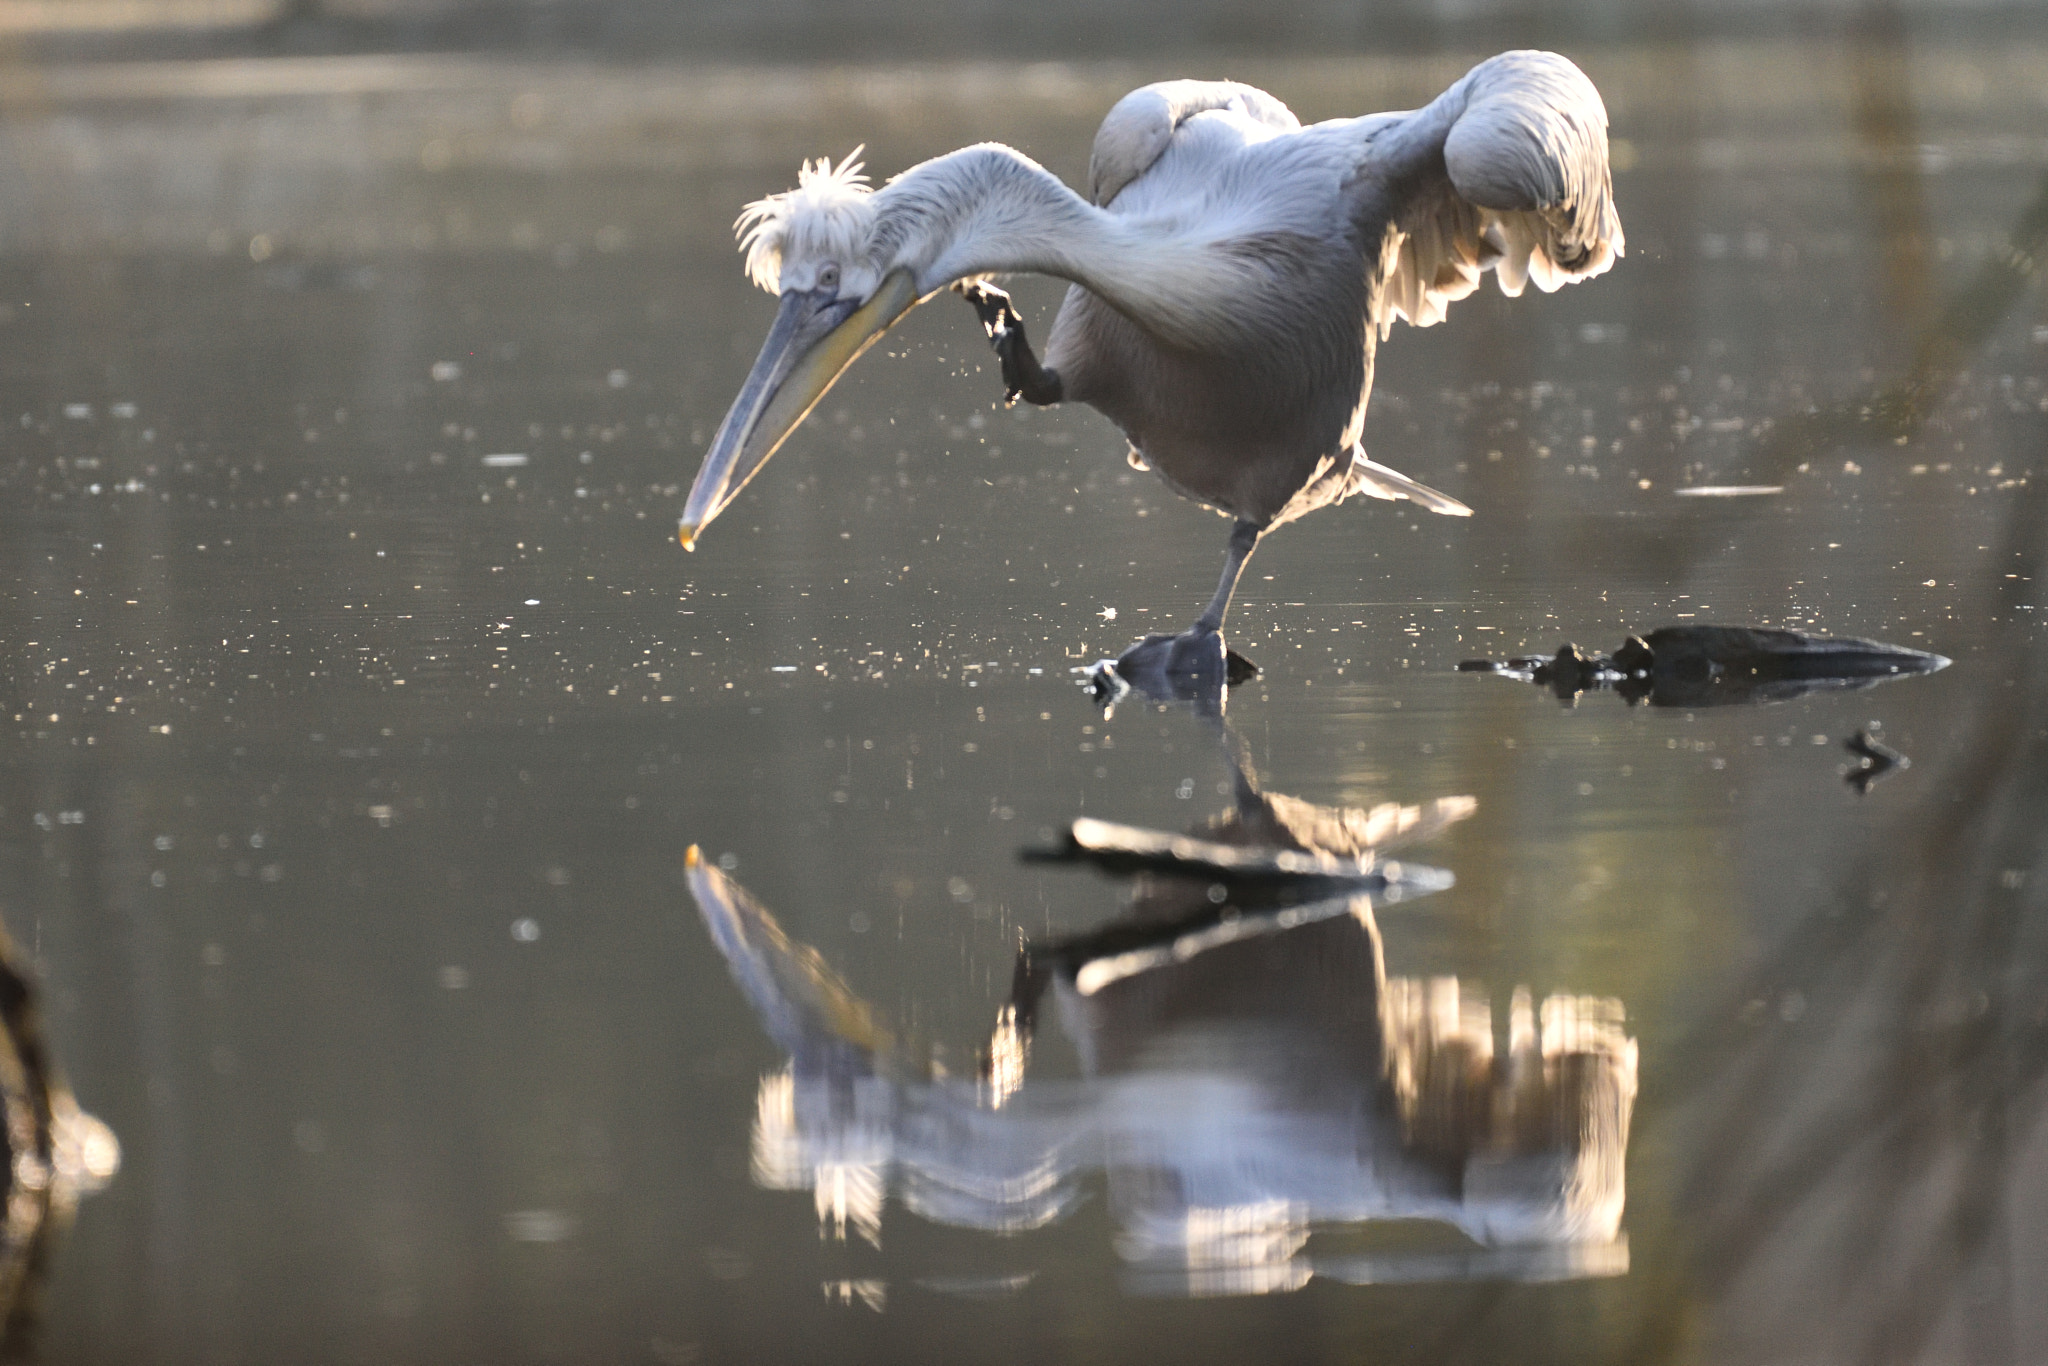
1249	1074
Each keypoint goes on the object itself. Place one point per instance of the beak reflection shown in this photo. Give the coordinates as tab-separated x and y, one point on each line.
813	340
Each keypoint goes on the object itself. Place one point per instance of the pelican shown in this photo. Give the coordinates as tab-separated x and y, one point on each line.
1231	274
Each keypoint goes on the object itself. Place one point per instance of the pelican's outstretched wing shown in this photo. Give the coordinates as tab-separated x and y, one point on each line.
1139	126
1505	171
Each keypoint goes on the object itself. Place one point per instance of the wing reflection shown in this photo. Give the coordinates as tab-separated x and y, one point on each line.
1250	1075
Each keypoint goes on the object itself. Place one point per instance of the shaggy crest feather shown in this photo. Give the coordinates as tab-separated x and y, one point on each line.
829	213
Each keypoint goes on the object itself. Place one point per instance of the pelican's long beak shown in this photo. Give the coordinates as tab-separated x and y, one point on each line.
813	340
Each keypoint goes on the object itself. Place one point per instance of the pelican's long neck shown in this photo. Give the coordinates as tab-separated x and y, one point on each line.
990	209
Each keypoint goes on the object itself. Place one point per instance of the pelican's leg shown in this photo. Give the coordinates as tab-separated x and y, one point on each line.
1023	376
1244	539
1195	664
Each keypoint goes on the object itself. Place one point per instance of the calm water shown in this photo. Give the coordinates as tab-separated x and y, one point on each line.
360	710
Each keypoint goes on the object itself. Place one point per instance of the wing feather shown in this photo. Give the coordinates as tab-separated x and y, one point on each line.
1505	171
1139	126
1374	480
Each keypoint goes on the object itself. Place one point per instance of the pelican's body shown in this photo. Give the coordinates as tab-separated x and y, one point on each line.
1259	419
1231	277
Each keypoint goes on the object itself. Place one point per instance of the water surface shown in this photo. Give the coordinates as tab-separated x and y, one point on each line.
361	709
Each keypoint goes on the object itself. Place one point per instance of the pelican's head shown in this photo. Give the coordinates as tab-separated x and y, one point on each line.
816	246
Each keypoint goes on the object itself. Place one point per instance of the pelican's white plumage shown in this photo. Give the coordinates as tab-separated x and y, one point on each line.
1141	124
1232	271
828	216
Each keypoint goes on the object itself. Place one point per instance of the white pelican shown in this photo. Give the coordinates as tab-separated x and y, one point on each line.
1232	272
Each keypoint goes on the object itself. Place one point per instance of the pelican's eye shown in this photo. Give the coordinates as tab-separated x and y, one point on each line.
828	276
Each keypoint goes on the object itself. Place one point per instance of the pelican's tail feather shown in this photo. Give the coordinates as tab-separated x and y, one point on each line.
1375	480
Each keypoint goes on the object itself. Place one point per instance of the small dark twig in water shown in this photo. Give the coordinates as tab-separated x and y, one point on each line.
1878	760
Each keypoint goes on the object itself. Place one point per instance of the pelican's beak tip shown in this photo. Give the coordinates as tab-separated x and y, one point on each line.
687	536
692	857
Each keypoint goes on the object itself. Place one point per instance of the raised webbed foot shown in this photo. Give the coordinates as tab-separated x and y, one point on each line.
1023	376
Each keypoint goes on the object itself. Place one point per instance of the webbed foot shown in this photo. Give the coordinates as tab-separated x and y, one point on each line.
1023	376
1194	666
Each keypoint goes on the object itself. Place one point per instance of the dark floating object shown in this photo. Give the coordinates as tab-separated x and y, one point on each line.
1717	666
1878	758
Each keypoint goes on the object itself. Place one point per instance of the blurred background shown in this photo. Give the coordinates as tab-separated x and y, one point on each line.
357	706
907	31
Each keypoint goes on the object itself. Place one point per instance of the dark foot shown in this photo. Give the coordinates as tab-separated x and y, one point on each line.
1023	376
1194	666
